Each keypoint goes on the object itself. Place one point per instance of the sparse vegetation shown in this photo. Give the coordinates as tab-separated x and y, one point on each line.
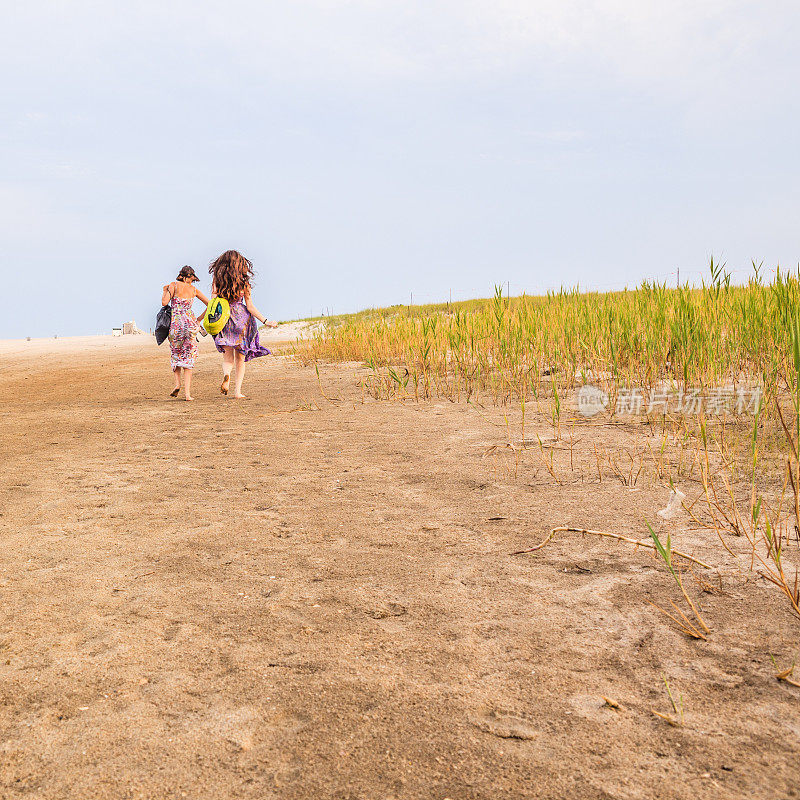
708	377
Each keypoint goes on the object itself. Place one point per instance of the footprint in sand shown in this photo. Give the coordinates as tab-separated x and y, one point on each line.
172	630
388	610
506	724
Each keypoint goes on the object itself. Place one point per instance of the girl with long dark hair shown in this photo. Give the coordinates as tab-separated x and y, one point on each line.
231	276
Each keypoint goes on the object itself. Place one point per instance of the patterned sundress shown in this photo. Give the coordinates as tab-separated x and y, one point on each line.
241	332
183	334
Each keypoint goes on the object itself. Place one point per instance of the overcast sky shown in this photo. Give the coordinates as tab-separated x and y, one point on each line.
359	151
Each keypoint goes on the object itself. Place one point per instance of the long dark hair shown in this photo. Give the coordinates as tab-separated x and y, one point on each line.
231	274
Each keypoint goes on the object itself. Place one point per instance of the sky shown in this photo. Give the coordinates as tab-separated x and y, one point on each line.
359	151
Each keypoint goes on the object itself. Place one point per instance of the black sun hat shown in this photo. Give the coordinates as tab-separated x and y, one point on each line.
188	272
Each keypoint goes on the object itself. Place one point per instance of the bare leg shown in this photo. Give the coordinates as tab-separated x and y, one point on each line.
187	383
239	358
227	367
177	387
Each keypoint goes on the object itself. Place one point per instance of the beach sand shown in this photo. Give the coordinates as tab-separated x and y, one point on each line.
286	332
294	597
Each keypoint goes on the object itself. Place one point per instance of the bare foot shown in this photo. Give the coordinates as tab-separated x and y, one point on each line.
240	397
226	382
174	392
188	398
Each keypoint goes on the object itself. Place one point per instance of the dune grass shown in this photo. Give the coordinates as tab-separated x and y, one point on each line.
710	373
514	348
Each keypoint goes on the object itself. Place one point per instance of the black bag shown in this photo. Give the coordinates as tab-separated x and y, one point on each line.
163	322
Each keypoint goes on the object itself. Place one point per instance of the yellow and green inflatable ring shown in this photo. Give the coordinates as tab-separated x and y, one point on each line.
217	314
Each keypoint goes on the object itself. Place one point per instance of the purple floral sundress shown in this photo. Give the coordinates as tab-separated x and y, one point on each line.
241	332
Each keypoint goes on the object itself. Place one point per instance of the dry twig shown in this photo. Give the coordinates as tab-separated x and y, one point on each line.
617	536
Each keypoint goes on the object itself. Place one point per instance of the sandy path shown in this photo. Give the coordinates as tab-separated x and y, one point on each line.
292	598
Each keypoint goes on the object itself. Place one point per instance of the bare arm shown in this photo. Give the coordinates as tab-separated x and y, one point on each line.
248	301
203	299
166	294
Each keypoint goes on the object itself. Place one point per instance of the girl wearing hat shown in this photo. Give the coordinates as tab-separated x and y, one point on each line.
238	340
180	295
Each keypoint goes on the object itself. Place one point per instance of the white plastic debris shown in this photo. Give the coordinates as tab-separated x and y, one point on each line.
676	497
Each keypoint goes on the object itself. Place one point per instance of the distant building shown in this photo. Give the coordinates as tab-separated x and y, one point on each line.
130	328
116	331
